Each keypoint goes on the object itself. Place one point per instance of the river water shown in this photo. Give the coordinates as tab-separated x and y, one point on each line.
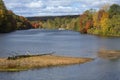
61	42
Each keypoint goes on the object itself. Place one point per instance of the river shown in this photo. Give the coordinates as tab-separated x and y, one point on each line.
61	42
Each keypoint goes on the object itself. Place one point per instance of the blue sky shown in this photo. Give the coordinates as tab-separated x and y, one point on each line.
54	7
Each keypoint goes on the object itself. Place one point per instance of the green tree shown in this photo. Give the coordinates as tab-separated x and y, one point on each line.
115	24
114	10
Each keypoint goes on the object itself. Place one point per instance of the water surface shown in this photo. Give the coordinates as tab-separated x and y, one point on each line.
68	43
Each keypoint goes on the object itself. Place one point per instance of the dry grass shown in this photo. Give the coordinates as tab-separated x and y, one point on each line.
39	62
109	54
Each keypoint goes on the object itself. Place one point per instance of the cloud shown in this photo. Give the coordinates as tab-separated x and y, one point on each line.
54	7
35	4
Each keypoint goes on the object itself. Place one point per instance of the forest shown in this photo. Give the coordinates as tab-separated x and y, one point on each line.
105	22
67	22
10	21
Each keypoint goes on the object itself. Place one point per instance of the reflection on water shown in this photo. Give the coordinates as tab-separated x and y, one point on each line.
67	43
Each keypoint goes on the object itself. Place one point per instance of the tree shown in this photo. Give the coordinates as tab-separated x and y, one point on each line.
115	24
10	22
104	23
2	5
86	21
89	24
97	18
114	10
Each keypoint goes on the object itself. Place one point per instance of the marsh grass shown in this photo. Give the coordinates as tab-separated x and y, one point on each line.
109	54
39	62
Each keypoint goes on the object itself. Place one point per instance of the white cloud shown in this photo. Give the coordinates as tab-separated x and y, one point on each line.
54	7
35	4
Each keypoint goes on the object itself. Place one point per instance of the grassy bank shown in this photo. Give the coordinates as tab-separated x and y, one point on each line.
39	62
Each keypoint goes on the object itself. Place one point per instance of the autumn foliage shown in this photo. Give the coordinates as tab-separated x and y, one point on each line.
104	22
10	21
86	21
36	24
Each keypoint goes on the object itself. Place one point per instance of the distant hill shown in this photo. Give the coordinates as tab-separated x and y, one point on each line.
45	18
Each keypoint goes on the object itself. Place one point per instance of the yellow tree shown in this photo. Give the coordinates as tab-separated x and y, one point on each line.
104	22
97	18
95	21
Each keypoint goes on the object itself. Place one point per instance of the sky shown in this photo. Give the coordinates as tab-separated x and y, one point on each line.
54	7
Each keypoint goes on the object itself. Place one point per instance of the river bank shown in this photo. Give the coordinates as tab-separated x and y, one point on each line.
39	62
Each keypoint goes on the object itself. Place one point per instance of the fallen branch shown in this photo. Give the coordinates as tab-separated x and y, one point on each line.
26	56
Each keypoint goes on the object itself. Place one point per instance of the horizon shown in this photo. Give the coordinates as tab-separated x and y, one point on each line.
33	8
53	15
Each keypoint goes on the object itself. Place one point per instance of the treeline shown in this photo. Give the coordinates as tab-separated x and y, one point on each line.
64	22
105	22
45	18
10	21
